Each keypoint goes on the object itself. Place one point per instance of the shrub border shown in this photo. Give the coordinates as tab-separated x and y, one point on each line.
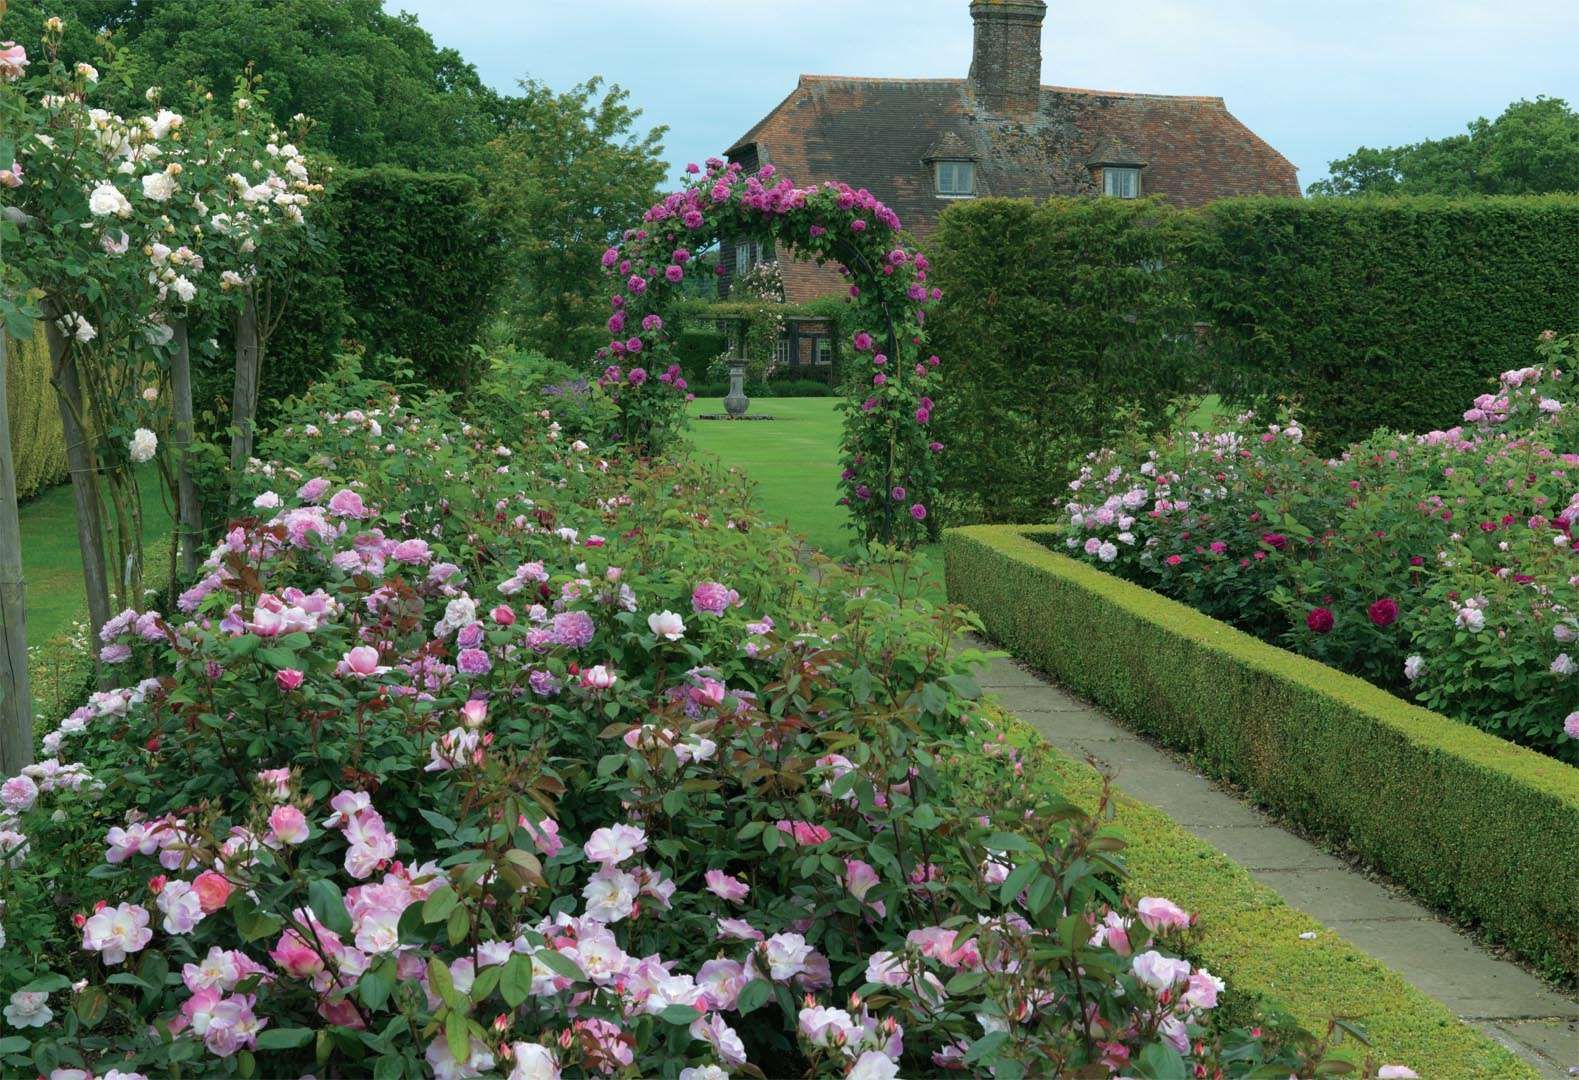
1250	938
1476	826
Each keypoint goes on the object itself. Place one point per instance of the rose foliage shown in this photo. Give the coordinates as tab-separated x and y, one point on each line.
467	759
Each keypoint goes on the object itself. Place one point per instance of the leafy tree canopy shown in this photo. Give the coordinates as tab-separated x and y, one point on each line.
379	89
1531	149
571	172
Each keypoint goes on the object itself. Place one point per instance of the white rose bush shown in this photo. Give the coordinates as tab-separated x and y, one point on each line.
118	227
554	763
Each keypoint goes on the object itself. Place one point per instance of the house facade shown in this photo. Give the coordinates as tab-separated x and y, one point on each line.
921	144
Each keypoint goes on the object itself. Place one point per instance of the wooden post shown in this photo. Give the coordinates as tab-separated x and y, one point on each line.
189	511
244	398
84	472
16	698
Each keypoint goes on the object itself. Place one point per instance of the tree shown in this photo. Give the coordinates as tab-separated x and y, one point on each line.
1531	149
568	176
378	88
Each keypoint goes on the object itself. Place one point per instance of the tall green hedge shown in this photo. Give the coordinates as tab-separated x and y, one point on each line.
1064	323
421	265
411	269
1468	822
1060	323
1385	312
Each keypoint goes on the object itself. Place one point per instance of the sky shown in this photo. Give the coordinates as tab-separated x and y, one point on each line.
1315	80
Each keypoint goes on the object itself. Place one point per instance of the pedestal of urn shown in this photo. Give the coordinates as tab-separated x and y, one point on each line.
736	402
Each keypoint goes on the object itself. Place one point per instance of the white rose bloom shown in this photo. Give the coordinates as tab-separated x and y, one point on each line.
106	199
143	445
1414	667
184	289
158	186
77	327
667	625
115	243
28	1009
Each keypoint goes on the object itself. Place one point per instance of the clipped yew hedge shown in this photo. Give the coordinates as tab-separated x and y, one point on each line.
1384	312
1472	824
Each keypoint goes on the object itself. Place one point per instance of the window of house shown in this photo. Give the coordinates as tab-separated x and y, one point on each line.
956	179
1121	183
784	351
742	259
824	351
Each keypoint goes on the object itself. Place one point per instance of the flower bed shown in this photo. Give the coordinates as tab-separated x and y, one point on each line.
1443	567
470	758
1334	753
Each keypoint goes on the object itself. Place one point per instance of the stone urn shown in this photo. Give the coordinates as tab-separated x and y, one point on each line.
736	402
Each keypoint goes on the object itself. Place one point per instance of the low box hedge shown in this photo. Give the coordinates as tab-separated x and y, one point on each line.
1251	939
1473	825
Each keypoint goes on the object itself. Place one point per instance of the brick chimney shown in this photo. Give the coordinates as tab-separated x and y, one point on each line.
1006	67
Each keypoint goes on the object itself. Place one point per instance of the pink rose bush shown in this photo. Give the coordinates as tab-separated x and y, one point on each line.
307	836
1443	566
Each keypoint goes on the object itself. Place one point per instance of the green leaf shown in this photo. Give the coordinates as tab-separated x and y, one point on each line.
1162	1063
515	984
679	1015
1018	879
560	964
377	984
754	995
323	897
437	907
14	1044
92	1005
284	1038
457	1035
46	984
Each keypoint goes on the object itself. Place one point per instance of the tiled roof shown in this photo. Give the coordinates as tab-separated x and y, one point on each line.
879	134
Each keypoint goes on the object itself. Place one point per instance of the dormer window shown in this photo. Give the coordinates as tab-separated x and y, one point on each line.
953	164
956	179
1119	182
1115	169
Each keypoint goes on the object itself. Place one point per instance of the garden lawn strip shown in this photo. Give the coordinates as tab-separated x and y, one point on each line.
793	461
1251	938
1337	755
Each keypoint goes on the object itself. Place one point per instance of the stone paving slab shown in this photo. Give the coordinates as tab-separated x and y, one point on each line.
1500	998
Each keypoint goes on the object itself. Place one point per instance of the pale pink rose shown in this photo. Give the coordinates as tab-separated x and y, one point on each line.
288	825
726	887
1158	914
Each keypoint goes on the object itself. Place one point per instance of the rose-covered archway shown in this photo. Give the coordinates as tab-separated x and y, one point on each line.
889	458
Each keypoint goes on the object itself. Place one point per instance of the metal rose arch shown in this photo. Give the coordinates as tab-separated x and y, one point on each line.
890	470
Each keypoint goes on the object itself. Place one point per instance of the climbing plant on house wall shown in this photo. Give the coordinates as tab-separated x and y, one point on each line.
889	457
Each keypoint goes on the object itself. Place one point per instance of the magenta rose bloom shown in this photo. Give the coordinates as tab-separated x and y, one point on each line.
1320	620
1384	612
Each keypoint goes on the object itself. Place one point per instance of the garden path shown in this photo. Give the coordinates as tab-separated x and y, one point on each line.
1500	998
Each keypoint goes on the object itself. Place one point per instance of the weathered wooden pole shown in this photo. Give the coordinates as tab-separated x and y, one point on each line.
16	698
83	464
189	511
244	398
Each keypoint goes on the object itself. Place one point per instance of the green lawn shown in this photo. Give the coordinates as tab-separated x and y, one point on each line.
52	565
794	462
